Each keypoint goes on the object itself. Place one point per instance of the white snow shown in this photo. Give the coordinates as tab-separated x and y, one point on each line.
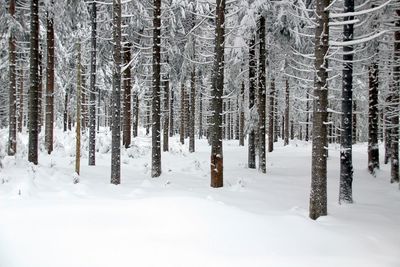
179	220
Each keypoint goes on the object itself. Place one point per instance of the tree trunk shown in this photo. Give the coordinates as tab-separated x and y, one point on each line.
216	94
200	113
92	89
50	83
287	114
166	115
66	110
126	140
307	133
135	111
34	83
192	110
252	88
78	112
346	150
116	93
40	92
262	96
171	114
182	126
271	116
12	119
21	99
373	147
291	130
354	121
395	98
276	118
241	116
318	196
155	126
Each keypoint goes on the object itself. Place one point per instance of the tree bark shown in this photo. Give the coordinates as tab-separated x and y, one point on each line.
192	110
135	111
271	116
262	96
373	147
200	113
182	126
354	121
116	93
92	89
50	82
318	196
155	126
171	114
241	116
346	151
216	94
21	99
252	88
12	118
34	83
287	114
126	140
166	115
78	112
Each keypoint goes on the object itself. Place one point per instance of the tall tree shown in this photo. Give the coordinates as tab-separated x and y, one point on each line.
155	126
217	174
192	110
166	114
271	116
241	115
78	110
92	88
373	146
116	106
182	125
34	83
252	88
287	114
262	95
12	118
346	161
50	80
318	196
126	140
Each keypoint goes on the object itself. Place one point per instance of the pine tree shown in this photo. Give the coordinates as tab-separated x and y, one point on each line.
318	196
78	110
252	88
373	146
262	96
287	108
34	83
126	140
12	118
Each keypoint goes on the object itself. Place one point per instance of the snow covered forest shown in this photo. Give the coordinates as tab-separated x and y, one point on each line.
199	133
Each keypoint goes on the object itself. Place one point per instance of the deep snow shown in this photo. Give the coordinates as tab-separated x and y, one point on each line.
178	220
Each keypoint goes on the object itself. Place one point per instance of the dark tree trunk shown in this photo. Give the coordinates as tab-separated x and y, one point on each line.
171	114
373	147
21	100
182	126
271	116
78	112
241	116
50	83
200	113
12	118
83	99
291	130
166	115
307	133
287	114
346	154
318	196
395	98
34	83
192	111
116	97
354	122
252	88
40	91
126	139
135	110
262	84
155	126
92	89
216	93
276	118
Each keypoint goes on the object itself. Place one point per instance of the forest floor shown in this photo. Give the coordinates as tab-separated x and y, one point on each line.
178	220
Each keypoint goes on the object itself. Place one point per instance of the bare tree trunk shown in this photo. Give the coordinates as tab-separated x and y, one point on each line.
78	112
83	99
166	115
318	196
171	114
354	121
50	83
127	98
92	89
182	126
373	147
241	116
307	133
200	113
192	110
252	88
346	151
262	84
395	98
21	99
116	105
135	111
276	118
12	119
287	114
291	130
40	92
271	116
155	126
34	83
66	110
216	93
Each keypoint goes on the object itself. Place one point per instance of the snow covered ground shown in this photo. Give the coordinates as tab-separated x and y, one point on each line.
178	220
